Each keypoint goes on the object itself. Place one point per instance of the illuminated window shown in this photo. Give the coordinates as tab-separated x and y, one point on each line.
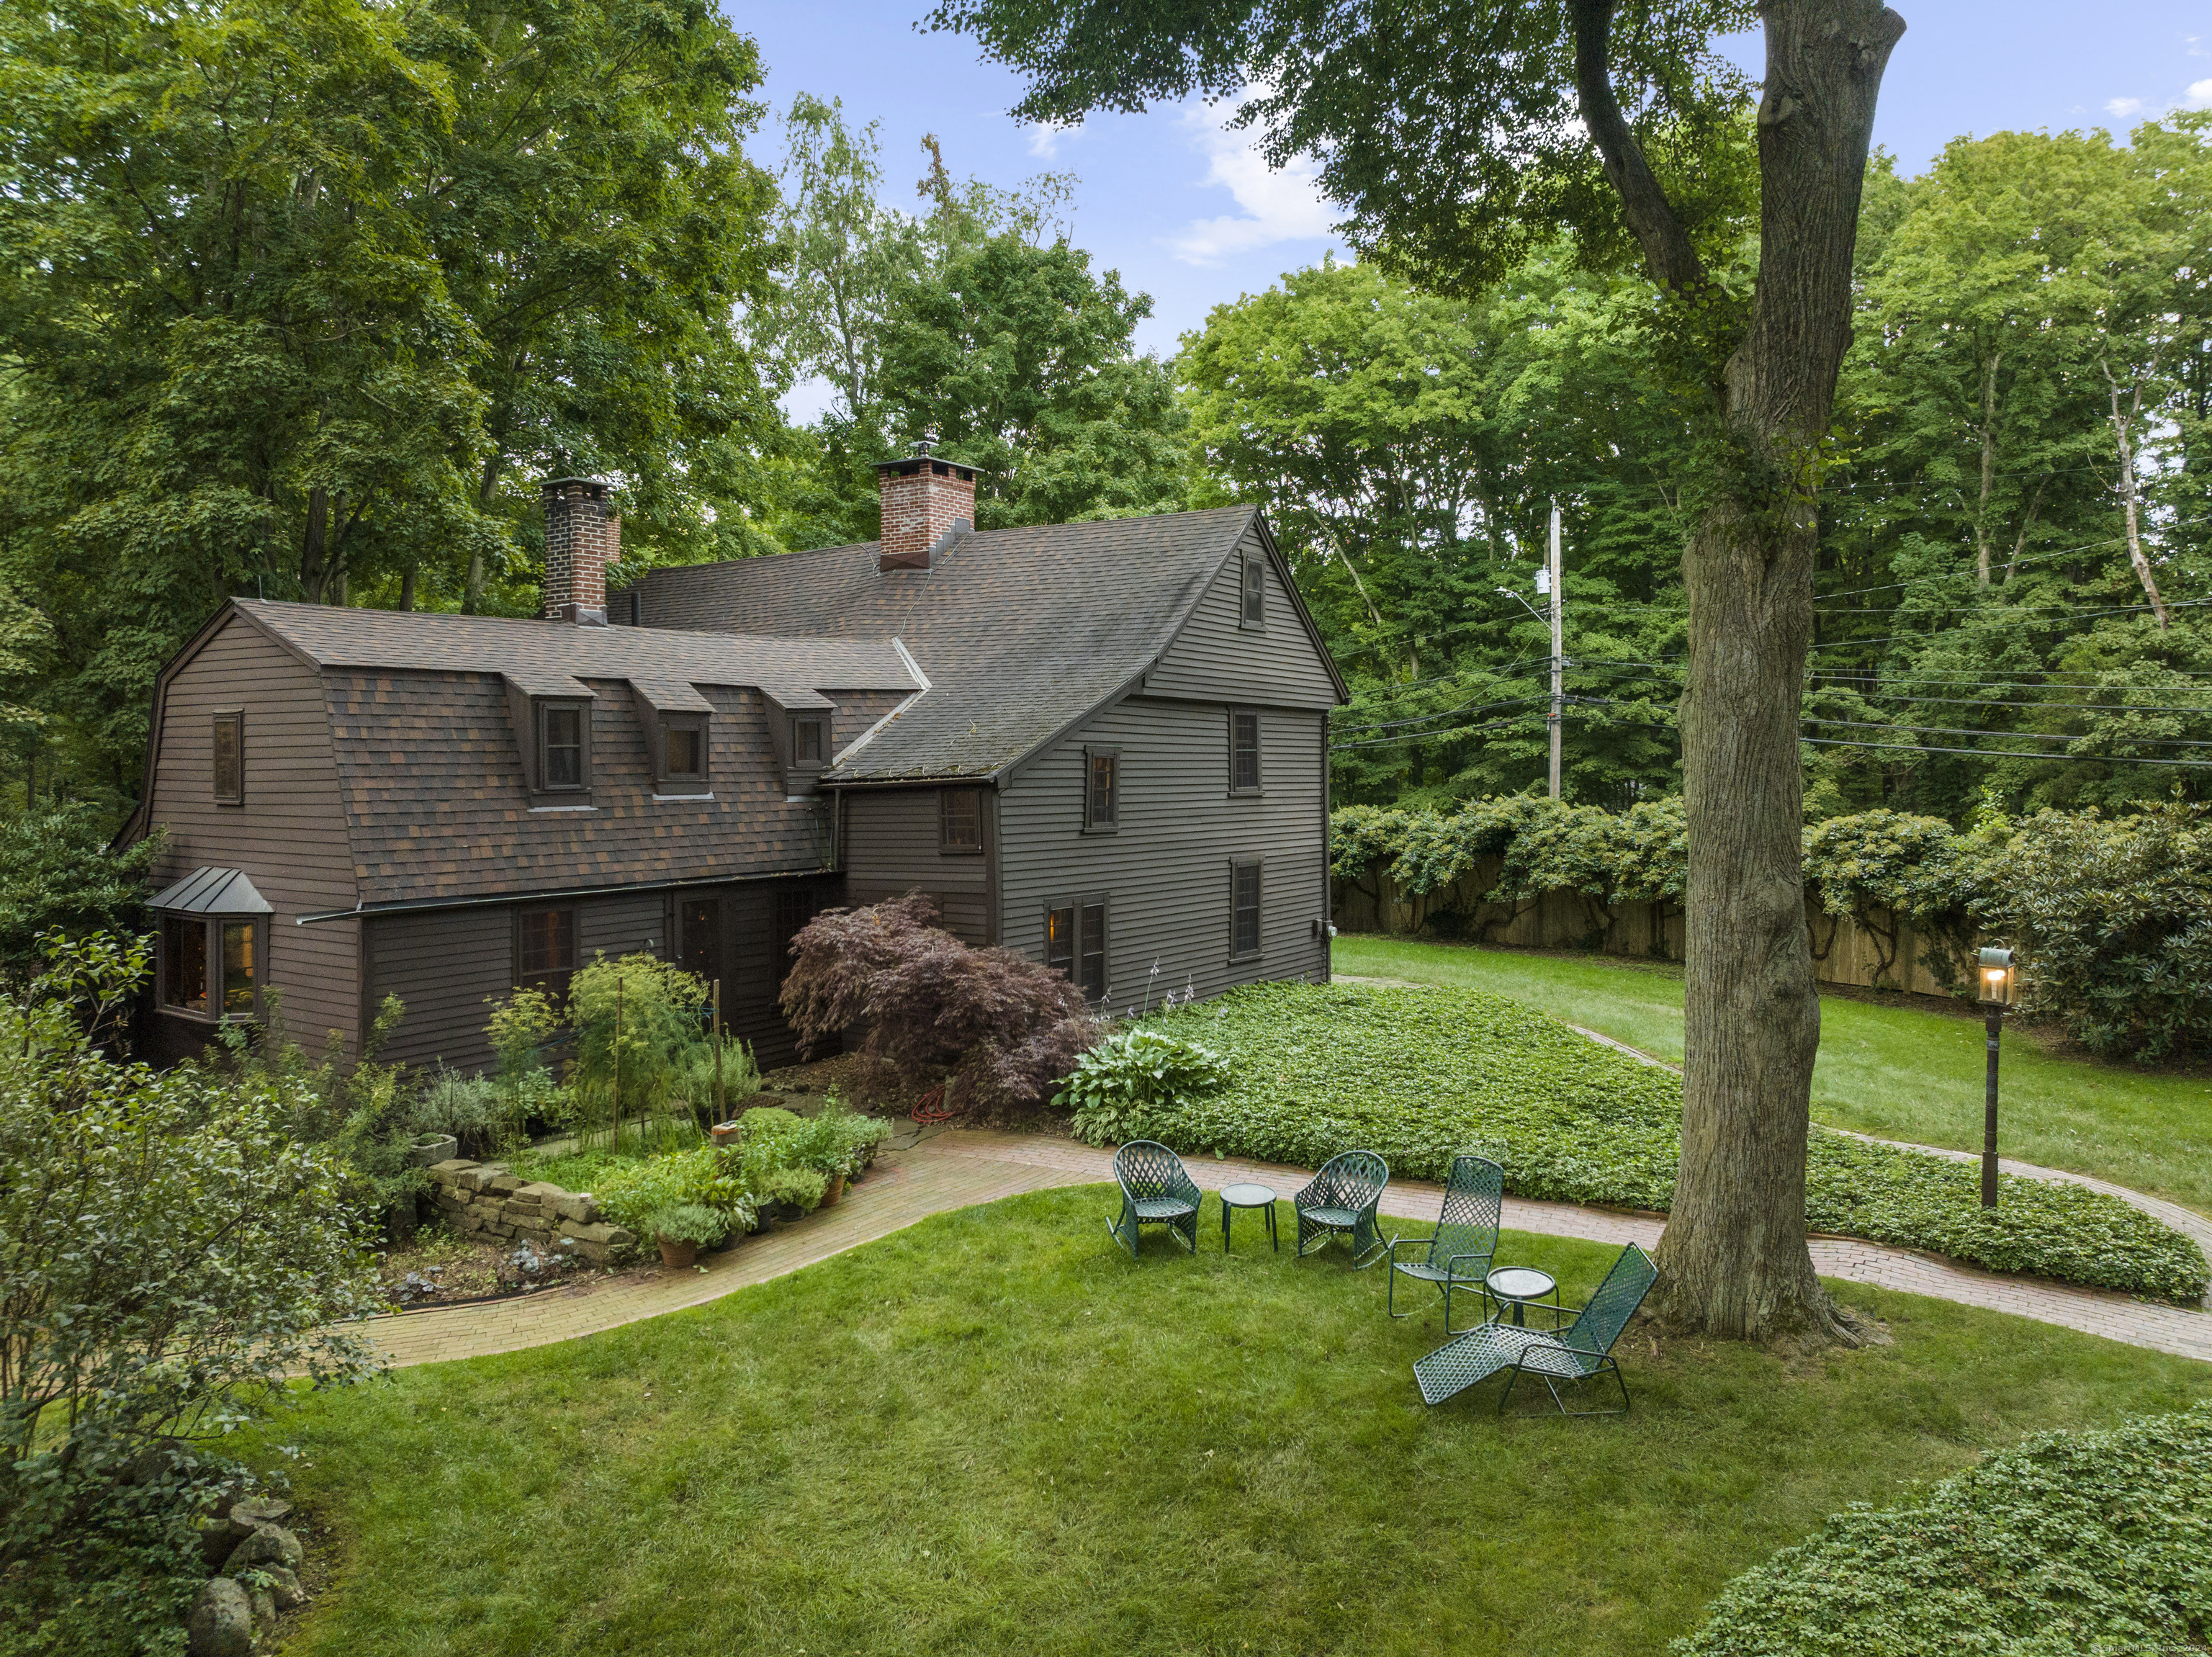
239	983
1075	945
183	963
1102	793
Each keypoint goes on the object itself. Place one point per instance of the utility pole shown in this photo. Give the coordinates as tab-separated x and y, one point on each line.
1559	660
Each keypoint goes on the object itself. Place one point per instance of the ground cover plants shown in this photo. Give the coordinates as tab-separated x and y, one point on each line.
2072	1542
1421	1075
994	1432
1887	1067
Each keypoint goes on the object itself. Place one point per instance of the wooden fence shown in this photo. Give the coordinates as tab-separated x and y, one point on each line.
1889	951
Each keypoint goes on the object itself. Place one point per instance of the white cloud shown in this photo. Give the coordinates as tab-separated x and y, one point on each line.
1045	136
2123	107
1275	206
2200	95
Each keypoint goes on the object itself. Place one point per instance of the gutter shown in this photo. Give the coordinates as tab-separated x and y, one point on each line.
369	911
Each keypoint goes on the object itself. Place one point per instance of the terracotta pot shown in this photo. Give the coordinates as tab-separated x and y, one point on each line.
833	1190
724	1133
677	1256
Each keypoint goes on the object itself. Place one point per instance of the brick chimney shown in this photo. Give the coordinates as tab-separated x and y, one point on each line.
583	536
926	504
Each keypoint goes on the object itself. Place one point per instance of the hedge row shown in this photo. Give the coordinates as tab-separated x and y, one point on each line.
1421	1075
2069	1543
2112	916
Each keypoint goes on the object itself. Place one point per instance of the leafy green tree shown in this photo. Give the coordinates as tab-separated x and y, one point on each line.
170	1258
1457	137
294	292
59	875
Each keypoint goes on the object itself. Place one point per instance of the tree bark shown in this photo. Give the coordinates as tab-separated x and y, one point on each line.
2121	422
1989	469
1734	1260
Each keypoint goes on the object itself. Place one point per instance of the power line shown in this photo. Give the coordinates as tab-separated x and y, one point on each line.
2025	707
2032	736
1980	754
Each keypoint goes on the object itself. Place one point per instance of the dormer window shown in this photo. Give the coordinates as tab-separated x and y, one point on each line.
809	737
683	750
563	747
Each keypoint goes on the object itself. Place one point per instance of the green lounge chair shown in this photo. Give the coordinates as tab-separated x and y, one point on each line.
1459	1252
1581	1351
1341	1198
1155	1192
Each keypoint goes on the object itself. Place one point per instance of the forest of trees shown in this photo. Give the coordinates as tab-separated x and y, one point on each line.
302	299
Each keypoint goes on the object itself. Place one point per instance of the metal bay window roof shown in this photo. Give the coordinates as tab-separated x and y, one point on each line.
212	891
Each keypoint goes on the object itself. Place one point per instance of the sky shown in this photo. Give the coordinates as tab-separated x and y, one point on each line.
1186	212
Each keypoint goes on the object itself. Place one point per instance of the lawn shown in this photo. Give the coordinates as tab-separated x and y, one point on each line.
994	1432
1898	1071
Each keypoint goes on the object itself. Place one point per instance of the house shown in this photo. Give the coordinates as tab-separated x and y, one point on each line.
1103	745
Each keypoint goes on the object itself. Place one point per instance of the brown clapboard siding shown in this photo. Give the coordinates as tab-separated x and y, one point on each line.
1215	656
288	837
893	846
1165	871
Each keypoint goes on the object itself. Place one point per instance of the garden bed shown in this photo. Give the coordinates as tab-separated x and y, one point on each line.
1421	1075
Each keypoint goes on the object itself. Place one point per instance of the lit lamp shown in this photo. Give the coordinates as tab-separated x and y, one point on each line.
1997	980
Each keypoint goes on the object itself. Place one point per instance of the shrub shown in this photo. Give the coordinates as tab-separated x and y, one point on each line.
1006	1027
523	1027
1421	1075
170	1253
689	1222
634	1190
638	1037
2068	1543
1123	1087
58	874
799	1188
2113	921
475	1109
833	1141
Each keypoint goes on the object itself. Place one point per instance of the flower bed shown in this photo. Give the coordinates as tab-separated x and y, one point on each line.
2069	1542
1421	1075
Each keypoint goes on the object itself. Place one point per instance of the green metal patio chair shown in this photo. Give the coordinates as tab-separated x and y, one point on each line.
1465	1237
1341	1198
1582	1351
1155	1192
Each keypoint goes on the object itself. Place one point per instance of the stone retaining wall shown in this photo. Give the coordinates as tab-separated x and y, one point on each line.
483	1200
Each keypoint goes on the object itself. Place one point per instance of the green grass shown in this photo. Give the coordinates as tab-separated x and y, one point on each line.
1898	1071
996	1432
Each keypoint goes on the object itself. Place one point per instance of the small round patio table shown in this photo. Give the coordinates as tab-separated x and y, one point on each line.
1521	1287
1248	1197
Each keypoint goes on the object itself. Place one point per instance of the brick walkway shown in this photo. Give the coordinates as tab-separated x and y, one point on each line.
960	1167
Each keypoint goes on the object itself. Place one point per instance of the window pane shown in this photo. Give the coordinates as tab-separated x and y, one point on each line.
230	757
1104	802
1094	950
809	742
1060	940
684	746
238	968
1244	923
564	748
1244	761
184	967
546	944
1255	588
963	819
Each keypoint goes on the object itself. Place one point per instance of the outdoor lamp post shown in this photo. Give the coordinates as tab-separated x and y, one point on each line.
1997	995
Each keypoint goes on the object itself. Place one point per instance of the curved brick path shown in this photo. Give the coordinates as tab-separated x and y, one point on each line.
963	1167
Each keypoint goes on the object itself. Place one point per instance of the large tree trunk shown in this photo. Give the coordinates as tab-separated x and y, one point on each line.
1734	1260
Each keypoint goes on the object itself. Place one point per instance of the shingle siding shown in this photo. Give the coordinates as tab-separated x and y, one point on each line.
289	837
1165	871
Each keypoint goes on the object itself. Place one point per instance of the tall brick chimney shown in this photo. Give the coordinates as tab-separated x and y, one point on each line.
926	504
583	536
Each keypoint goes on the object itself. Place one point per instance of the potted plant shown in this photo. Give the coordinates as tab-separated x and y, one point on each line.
683	1229
429	1149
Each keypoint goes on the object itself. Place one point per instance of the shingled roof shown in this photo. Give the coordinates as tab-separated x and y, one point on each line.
552	658
1023	633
